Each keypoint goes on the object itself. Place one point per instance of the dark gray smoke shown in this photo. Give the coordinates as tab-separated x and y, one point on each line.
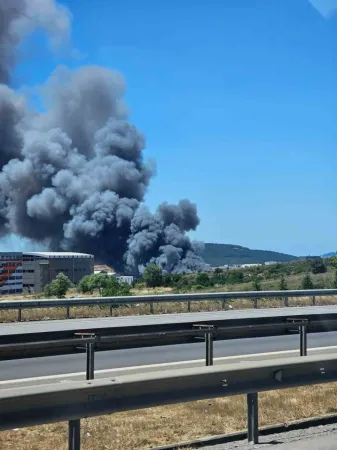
161	238
74	177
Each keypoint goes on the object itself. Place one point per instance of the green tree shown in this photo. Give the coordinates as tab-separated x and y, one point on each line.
58	287
307	282
107	285
235	276
85	285
334	283
218	271
333	261
257	284
218	278
114	288
283	284
318	266
153	276
167	279
94	282
202	279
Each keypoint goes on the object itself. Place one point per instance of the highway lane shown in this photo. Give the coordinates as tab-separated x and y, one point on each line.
239	348
161	319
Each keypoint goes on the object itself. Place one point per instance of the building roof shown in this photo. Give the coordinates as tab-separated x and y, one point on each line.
98	268
59	254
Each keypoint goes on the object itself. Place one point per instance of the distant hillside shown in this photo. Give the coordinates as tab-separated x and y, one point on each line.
328	255
222	254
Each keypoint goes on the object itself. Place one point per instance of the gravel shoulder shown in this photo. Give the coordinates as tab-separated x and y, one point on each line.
316	438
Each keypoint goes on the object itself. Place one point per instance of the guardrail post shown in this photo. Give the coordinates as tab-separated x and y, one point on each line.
255	303
74	434
303	340
19	315
253	417
151	308
110	310
90	353
223	304
286	303
189	306
68	312
209	348
314	300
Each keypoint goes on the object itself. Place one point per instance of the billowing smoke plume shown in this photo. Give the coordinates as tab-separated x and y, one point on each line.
74	176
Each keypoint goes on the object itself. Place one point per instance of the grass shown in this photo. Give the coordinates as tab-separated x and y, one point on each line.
147	428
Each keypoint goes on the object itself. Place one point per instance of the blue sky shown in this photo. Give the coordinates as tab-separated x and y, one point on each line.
237	99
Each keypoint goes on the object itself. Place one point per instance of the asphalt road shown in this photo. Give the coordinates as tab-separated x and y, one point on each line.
239	349
161	319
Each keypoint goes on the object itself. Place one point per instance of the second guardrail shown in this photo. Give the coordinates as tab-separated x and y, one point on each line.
89	342
222	297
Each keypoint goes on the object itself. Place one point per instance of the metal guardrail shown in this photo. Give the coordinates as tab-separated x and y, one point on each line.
222	297
90	342
72	401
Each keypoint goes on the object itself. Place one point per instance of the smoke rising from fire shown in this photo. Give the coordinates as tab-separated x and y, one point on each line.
74	176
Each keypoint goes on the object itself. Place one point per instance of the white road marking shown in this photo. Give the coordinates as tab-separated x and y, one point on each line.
148	367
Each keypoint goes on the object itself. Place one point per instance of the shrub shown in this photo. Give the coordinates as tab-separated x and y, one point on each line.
58	287
256	284
202	279
153	276
283	284
318	266
307	282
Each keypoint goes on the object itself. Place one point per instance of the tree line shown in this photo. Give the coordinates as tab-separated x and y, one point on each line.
153	276
105	285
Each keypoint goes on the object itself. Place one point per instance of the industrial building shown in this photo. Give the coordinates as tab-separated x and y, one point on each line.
104	269
31	271
10	273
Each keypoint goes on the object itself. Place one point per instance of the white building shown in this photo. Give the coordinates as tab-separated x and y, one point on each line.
128	279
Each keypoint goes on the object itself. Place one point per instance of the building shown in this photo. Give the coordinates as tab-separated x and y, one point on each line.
10	273
106	270
103	268
40	268
245	266
128	279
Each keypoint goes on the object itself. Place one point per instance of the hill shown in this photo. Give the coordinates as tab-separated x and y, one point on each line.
222	254
328	255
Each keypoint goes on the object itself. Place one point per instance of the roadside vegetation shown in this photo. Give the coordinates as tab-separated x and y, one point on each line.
301	274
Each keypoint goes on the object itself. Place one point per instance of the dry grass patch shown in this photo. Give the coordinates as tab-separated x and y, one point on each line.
144	429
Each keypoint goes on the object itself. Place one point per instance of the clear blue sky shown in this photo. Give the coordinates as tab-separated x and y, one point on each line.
238	101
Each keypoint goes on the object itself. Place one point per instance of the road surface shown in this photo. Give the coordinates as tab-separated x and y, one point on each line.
157	358
161	319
